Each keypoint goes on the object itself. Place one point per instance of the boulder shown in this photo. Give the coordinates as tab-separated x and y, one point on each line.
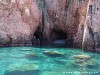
82	57
53	54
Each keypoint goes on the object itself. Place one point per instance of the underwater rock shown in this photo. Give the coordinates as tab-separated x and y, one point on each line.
85	63
83	60
22	69
31	55
82	56
92	64
53	54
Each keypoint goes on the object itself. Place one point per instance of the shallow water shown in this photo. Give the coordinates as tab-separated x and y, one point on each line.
15	56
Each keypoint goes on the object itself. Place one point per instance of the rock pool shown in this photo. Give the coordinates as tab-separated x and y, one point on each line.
33	61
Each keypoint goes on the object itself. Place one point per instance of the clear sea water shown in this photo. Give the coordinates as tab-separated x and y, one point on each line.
46	65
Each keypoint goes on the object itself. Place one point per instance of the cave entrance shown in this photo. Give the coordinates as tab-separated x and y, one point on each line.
59	38
37	37
62	38
59	35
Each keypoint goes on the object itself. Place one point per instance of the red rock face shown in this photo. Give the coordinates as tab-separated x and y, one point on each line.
64	16
89	34
18	21
92	27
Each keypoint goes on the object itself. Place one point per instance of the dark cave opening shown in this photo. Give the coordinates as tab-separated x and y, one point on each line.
37	37
59	35
62	38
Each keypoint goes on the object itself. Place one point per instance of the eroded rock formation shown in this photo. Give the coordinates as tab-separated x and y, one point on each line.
92	27
62	18
18	21
25	21
90	35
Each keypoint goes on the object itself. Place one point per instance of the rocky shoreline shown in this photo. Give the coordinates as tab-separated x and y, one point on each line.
36	22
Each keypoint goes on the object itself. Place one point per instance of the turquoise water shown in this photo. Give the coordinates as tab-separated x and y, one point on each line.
13	59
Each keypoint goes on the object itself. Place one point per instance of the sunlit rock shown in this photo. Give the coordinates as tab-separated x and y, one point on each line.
13	1
22	69
16	22
21	1
91	31
27	11
82	56
53	54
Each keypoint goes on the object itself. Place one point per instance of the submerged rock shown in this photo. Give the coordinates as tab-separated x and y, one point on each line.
31	55
53	54
22	69
84	61
82	56
88	64
92	64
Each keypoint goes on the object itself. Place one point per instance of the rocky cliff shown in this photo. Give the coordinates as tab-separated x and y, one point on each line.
18	21
27	21
92	27
91	30
61	18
